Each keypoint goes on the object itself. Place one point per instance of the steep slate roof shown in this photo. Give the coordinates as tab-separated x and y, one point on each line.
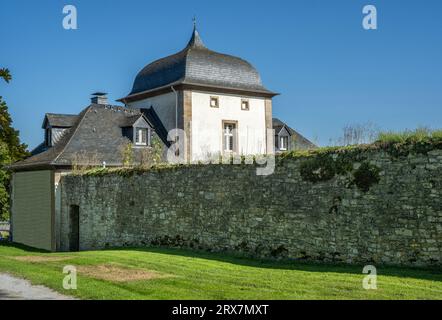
198	65
129	121
301	141
59	120
96	132
153	118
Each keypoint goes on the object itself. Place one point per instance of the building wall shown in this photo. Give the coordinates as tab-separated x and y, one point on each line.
32	209
164	106
394	217
203	124
57	206
207	131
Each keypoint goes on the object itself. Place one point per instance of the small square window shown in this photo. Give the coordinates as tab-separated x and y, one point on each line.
244	104
214	102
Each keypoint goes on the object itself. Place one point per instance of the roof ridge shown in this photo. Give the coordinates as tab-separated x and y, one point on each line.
61	114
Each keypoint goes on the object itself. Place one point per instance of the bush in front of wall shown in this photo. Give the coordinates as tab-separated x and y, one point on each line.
365	176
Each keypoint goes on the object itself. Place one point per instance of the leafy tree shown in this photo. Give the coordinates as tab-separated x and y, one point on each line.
4	73
11	149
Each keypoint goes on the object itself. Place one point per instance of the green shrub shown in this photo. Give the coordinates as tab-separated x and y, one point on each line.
323	167
317	169
365	176
437	135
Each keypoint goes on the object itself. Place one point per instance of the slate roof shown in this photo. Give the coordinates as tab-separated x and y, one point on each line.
129	121
198	65
301	141
59	120
95	132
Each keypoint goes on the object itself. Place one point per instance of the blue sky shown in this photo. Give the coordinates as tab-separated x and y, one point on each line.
329	70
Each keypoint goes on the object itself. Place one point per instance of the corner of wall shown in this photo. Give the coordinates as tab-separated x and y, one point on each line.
187	123
269	126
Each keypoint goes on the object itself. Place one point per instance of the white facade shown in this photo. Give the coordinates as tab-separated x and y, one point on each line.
207	122
207	125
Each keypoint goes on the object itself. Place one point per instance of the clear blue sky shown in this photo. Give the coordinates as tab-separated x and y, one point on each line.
329	70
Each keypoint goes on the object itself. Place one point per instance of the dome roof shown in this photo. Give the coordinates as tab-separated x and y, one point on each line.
197	65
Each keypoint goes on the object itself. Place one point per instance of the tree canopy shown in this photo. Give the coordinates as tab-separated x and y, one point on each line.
5	74
11	149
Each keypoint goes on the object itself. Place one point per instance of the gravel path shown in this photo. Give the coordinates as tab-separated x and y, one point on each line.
12	288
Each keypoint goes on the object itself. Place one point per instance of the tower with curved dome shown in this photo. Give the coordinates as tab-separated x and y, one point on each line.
218	100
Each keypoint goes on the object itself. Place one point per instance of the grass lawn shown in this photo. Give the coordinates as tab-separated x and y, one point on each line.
158	273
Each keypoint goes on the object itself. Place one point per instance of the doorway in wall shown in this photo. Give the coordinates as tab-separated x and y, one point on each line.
74	228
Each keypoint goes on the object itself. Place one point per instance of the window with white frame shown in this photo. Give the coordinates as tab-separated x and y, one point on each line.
283	144
229	136
141	136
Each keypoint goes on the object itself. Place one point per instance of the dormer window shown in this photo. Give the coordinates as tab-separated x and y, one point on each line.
138	130
141	136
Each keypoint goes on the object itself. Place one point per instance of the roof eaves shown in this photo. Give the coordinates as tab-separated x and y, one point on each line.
132	97
251	91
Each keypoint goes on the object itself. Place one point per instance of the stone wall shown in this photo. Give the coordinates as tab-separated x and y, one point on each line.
353	206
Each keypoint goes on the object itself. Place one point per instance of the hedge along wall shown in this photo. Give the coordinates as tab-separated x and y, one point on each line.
354	206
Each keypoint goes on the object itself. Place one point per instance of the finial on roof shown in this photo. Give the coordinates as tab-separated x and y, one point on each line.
195	40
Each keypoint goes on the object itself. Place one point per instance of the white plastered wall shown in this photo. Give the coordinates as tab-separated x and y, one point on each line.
164	106
207	131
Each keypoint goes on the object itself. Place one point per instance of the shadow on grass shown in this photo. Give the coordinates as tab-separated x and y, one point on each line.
433	274
22	247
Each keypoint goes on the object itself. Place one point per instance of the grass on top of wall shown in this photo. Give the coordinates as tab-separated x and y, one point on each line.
184	274
397	144
410	136
421	140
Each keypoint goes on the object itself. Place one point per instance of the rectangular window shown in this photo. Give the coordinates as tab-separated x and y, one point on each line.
141	136
214	102
244	104
284	141
229	137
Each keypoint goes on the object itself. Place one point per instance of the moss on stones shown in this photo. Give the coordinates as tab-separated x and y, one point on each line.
325	167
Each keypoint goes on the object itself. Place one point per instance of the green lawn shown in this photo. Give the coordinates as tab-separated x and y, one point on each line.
196	275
